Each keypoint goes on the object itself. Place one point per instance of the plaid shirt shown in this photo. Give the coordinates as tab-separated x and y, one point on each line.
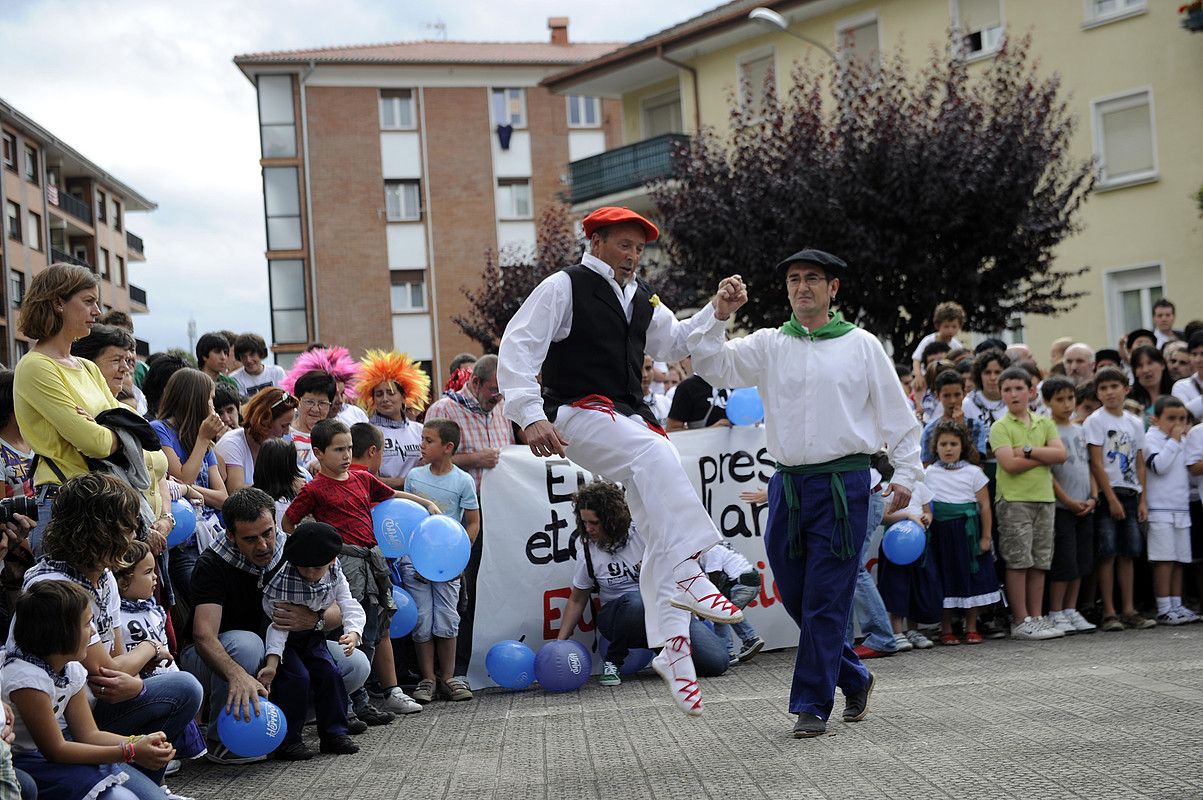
479	430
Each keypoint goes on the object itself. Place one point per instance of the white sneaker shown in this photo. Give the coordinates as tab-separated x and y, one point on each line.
904	644
700	596
173	766
399	702
172	795
1187	616
920	641
1049	625
1032	630
1080	623
1060	621
674	664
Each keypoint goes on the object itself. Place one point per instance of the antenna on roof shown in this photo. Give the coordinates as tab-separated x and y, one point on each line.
440	29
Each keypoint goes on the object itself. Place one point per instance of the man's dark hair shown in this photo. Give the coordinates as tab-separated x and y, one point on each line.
246	505
1194	340
101	337
161	368
1110	375
208	343
46	618
462	360
484	368
1085	391
990	344
1054	384
948	377
224	395
902	370
6	396
250	343
1165	303
1167	401
1015	374
1191	328
118	319
447	430
316	382
324	431
364	436
934	348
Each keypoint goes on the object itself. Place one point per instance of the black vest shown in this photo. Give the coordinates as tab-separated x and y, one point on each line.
603	353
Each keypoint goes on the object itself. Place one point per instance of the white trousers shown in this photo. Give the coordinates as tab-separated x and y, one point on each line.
664	505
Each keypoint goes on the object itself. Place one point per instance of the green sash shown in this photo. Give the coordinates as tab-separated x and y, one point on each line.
841	541
835	327
946	512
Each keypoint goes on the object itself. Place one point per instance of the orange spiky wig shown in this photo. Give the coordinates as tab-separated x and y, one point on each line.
379	367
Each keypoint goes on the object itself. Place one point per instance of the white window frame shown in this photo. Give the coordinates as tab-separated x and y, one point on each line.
12	221
658	101
1118	280
1096	123
742	60
1127	9
397	209
33	231
507	207
851	23
397	103
989	48
521	121
10	145
408	306
583	103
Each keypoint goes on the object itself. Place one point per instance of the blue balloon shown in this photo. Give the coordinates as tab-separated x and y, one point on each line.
904	542
511	664
562	666
394	522
405	617
257	737
636	660
185	522
440	548
744	406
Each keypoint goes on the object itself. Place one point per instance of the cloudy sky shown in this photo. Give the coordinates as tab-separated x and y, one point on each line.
148	91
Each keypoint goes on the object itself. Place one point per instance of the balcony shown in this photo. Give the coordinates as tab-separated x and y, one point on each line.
69	204
137	296
625	168
134	245
58	256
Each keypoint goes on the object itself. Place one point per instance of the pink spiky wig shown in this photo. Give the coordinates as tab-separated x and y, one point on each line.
380	367
336	360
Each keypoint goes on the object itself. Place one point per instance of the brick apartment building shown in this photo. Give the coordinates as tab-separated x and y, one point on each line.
59	206
389	170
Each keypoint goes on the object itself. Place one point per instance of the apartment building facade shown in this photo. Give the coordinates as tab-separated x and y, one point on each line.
1132	75
390	170
59	206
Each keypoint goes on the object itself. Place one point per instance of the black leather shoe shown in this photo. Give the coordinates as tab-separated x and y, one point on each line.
297	751
356	726
373	716
809	725
856	705
339	745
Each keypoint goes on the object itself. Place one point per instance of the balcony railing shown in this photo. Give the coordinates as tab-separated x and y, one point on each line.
71	204
134	242
137	295
625	167
67	258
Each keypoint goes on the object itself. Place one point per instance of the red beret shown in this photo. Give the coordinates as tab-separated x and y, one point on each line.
613	215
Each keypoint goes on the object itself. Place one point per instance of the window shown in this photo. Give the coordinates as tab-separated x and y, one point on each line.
101	210
662	114
282	204
1098	11
509	107
980	22
403	202
584	112
116	215
860	43
513	199
756	83
277	125
1123	139
33	230
12	217
104	263
408	290
16	288
286	285
397	108
31	165
120	271
1131	293
10	151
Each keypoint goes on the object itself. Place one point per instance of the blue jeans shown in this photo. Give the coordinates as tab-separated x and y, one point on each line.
621	622
740	595
367	649
39	530
168	703
867	607
246	648
181	560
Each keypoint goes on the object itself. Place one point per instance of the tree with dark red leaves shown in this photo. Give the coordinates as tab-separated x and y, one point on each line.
932	186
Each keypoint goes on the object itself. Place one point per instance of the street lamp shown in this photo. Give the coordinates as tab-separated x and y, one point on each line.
768	18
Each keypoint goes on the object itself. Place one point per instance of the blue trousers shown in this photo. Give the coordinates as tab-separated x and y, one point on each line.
169	704
621	622
307	668
816	588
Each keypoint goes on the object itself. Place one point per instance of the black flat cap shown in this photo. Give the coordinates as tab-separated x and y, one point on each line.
1136	334
312	544
819	258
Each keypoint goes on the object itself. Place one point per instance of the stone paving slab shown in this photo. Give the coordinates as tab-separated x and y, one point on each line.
1112	716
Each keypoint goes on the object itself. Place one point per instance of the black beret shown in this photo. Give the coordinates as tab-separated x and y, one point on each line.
990	344
1136	334
1107	354
827	261
312	544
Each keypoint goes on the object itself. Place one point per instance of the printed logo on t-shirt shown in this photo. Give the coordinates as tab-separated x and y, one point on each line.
1118	449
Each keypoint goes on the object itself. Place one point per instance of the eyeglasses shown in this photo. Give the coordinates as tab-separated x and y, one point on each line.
809	279
320	405
286	400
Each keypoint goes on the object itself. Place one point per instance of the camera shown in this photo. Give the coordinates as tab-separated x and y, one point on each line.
18	505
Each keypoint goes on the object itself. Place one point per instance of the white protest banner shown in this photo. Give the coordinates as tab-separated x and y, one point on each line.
530	538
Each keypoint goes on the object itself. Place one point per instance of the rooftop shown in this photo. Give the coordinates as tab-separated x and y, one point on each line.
430	51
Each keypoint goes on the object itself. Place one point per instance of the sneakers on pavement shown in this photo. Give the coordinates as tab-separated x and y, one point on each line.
674	664
1080	623
1187	616
170	795
373	716
173	766
1111	623
809	726
456	689
1032	630
1061	622
750	649
424	692
220	754
1137	622
610	676
904	644
355	725
863	652
399	702
700	596
919	641
856	705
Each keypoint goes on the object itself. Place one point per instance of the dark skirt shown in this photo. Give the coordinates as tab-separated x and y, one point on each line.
912	591
962	587
83	781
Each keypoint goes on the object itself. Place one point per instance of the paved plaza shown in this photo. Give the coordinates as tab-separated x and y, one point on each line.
1102	716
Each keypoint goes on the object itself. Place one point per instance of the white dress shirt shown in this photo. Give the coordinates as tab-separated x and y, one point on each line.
546	317
823	399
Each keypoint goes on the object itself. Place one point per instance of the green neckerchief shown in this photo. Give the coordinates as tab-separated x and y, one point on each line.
841	540
946	512
836	327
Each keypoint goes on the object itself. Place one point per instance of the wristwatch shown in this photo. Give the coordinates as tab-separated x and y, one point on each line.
1027	451
320	626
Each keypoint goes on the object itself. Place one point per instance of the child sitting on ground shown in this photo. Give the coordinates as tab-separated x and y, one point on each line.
912	592
1169	508
454	492
739	582
299	664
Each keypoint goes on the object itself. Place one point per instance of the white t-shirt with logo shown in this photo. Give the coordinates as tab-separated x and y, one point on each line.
617	573
250	384
1122	438
402	446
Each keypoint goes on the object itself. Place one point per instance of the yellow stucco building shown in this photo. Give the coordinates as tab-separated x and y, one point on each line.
1132	73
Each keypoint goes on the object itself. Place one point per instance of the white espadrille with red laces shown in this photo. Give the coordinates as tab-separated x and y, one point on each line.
674	664
700	596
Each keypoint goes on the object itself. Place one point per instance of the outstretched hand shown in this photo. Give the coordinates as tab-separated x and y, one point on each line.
544	439
730	296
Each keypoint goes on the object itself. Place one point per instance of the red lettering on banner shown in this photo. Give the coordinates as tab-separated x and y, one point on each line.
551	613
764	600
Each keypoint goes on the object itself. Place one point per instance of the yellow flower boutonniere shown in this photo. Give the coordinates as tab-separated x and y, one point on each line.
655	300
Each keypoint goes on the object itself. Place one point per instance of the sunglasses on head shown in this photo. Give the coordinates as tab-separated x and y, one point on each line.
286	400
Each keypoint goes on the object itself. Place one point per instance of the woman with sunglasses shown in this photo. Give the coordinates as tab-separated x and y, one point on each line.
265	416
